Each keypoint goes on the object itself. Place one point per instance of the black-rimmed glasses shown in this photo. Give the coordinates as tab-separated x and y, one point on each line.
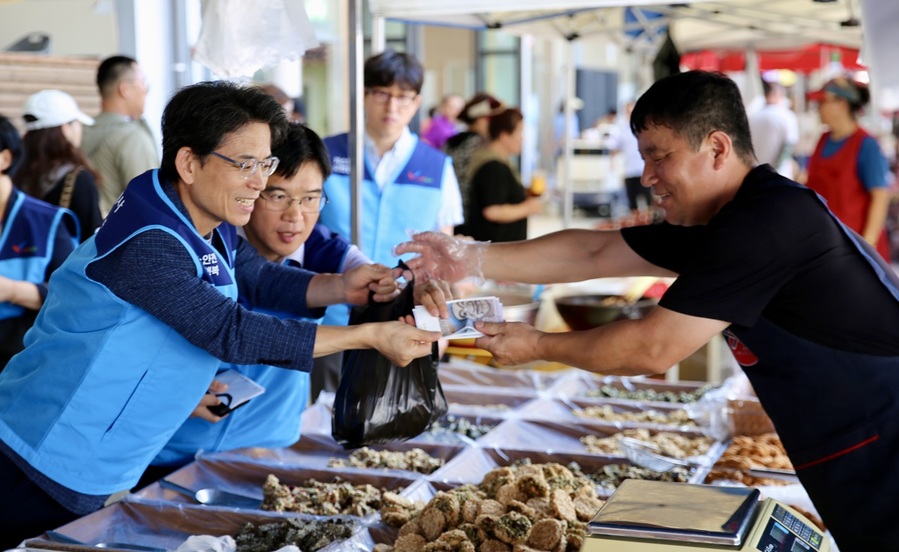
381	97
279	201
249	167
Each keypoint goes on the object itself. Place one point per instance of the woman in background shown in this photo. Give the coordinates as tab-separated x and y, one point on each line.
36	239
54	168
847	168
499	206
462	146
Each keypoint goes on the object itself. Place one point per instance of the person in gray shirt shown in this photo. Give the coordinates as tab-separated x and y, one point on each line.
120	145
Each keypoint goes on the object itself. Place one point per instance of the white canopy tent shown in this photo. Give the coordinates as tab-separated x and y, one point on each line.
693	25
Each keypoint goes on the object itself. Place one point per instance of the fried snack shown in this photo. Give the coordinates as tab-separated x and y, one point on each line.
415	460
409	543
500	514
546	534
493	545
512	528
321	498
761	451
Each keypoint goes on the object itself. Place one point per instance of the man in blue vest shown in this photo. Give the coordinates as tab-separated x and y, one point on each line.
407	185
141	316
808	308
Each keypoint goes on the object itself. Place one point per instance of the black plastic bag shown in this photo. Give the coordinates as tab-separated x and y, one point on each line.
377	401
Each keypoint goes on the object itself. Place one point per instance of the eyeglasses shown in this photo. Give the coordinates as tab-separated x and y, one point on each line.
381	97
279	201
249	167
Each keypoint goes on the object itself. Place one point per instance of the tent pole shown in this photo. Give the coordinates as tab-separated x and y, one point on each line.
568	192
356	119
378	34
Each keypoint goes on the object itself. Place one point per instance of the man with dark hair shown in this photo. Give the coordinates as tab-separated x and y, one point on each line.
120	144
283	229
809	309
140	317
407	184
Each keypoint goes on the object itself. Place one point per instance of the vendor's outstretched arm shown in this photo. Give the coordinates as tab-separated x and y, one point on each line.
650	345
566	256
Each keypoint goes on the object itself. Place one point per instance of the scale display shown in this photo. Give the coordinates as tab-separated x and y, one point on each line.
786	532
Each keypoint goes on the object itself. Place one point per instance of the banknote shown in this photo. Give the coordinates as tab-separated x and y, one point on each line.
463	314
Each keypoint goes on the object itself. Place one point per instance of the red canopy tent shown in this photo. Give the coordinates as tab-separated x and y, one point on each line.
802	60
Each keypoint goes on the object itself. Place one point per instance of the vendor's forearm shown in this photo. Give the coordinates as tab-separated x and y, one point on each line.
566	256
610	350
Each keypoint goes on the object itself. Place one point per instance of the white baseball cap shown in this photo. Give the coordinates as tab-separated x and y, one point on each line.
53	108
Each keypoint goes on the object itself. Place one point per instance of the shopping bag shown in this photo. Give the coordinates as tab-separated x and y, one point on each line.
377	401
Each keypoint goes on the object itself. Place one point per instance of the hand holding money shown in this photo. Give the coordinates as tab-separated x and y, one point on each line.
463	313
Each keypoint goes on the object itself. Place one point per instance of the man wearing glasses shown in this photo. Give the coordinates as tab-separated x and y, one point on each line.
407	184
140	317
284	229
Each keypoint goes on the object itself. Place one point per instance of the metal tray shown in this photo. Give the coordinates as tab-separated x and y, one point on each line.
167	526
247	478
316	451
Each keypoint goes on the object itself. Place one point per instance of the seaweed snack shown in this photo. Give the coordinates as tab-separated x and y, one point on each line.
683	397
670	444
307	535
462	426
321	498
606	412
521	507
415	460
610	476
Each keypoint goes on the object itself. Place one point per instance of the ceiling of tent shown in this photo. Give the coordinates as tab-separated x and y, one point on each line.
695	24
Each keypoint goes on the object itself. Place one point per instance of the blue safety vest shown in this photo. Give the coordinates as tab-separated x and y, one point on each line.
273	418
411	200
101	384
26	244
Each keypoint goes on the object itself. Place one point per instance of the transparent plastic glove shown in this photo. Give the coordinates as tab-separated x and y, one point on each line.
443	257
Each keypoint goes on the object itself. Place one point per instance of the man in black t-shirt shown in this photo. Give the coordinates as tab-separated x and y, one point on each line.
809	310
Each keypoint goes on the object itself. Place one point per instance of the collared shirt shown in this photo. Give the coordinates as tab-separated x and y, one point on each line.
385	168
354	256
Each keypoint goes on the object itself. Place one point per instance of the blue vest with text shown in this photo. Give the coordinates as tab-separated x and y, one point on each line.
102	385
411	200
273	418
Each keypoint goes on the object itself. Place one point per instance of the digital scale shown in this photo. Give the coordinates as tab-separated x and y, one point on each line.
658	516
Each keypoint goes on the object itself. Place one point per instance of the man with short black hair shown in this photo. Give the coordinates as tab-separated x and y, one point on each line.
807	306
120	144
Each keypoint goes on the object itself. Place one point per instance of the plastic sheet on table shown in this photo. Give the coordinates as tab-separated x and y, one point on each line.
565	410
550	436
587	386
479	400
247	478
455	428
167	526
464	373
317	451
